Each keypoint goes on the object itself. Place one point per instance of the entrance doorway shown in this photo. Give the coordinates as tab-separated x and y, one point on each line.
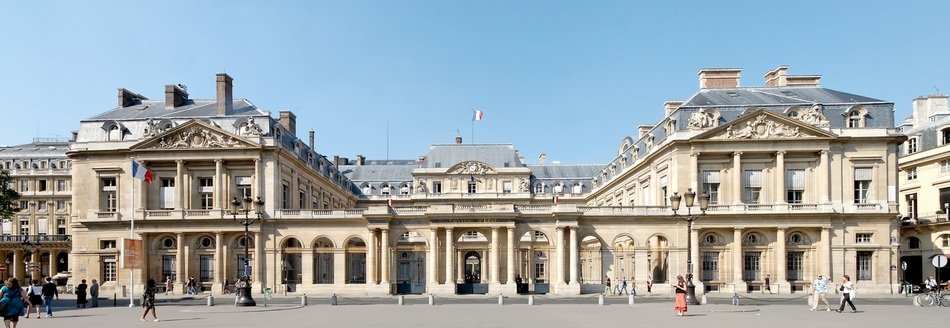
472	275
411	274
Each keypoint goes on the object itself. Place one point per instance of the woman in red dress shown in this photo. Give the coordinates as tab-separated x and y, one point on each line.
680	289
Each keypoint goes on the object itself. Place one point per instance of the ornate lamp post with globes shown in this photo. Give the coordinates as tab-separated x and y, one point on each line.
247	206
690	197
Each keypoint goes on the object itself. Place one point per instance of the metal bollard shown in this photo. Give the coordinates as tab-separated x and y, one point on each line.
210	300
630	299
333	299
810	299
401	300
703	300
115	299
530	299
303	300
431	299
501	300
600	299
735	299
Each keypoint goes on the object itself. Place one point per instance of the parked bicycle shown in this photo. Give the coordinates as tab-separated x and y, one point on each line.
934	297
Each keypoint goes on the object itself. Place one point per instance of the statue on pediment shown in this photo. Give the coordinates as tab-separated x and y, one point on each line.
421	186
703	119
472	167
523	187
761	128
196	137
813	116
151	129
251	128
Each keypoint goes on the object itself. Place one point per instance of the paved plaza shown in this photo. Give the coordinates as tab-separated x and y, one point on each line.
484	311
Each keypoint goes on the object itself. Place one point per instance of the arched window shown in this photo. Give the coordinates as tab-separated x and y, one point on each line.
559	188
385	190
856	117
577	189
366	189
539	188
115	133
913	243
945	240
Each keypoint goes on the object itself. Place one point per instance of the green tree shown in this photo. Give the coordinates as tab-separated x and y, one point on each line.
8	196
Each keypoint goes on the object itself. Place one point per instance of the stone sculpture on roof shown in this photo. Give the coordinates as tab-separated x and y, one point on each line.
196	137
761	128
250	128
703	119
813	116
151	129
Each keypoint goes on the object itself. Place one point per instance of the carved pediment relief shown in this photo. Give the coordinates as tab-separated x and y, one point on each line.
471	167
813	116
763	124
193	135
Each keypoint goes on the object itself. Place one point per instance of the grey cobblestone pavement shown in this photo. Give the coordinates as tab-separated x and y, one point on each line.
484	311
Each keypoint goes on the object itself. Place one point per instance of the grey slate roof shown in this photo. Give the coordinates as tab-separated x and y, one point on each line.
774	96
495	155
575	172
35	150
378	173
926	134
194	108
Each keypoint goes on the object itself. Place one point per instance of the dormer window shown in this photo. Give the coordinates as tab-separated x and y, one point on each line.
539	188
911	145
856	117
559	188
945	136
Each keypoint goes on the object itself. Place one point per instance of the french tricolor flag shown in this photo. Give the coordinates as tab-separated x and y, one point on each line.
140	172
478	115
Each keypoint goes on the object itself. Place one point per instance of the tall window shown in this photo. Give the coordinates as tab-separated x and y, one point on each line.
912	174
302	198
711	186
944	199
60	185
60	226
24	205
60	205
385	190
168	267
243	185
107	195
206	264
751	269
944	166
24	227
41	205
911	145
558	188
911	201
645	193
42	226
506	187
24	185
753	186
285	195
862	185
41	185
472	187
710	266
855	119
864	265
794	267
108	268
436	187
795	182
206	193
166	195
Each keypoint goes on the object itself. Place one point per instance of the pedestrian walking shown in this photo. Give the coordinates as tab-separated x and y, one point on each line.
94	293
846	288
623	287
607	286
192	286
35	295
650	284
633	285
15	299
767	287
49	292
81	294
820	290
148	299
169	285
680	304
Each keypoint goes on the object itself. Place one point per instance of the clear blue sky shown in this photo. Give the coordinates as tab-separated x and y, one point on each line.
570	79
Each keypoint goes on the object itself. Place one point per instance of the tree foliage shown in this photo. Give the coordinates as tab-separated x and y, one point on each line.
8	196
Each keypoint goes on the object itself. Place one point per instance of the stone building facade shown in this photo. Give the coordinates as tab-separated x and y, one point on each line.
476	218
925	189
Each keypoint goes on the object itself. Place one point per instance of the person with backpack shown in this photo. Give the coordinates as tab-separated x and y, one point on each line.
12	300
49	291
36	298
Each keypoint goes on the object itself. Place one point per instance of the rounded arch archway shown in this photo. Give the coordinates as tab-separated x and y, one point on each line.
409	259
591	260
290	262
658	258
355	250
322	261
534	250
623	258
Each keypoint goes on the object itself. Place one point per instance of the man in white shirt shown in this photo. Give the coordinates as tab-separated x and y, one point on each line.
820	287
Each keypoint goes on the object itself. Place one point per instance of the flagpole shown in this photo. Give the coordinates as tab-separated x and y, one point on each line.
473	125
131	237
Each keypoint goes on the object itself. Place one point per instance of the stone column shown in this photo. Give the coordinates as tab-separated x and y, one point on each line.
257	262
433	258
781	277
449	257
737	255
495	263
694	253
258	181
531	258
737	177
52	263
35	260
459	268
694	172
384	261
339	267
179	184
180	259
483	269
823	177
218	260
218	185
559	273
371	257
780	178
510	271
306	266
18	268
824	255
573	253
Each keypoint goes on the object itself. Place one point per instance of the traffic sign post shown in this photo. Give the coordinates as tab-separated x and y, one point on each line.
939	261
3	267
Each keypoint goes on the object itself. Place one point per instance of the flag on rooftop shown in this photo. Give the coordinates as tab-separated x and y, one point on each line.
140	172
478	115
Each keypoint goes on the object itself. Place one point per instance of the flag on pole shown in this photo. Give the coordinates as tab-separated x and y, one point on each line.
140	172
478	115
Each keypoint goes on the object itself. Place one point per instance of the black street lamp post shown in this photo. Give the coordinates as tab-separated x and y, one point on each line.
689	218
246	206
29	248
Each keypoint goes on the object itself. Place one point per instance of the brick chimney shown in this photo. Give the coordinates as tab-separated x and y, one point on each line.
719	78
777	77
311	139
289	121
175	96
924	107
225	99
643	130
541	158
670	106
804	80
128	98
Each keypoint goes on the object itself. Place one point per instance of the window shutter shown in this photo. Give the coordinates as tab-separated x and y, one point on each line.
862	174
795	179
753	179
711	177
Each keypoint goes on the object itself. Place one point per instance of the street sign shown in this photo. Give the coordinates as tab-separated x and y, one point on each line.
3	268
939	261
903	265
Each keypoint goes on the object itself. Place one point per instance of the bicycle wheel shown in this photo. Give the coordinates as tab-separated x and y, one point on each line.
945	300
926	300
